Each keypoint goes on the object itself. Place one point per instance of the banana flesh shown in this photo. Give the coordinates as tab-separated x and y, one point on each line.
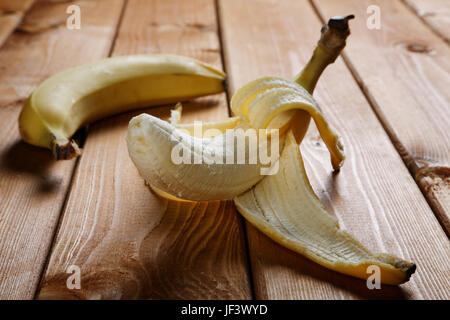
77	96
284	207
151	143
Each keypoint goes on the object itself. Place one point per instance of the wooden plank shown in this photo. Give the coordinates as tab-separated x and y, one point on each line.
32	185
11	14
127	242
406	78
374	197
436	13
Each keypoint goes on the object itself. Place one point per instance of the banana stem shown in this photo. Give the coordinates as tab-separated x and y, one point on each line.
65	149
330	45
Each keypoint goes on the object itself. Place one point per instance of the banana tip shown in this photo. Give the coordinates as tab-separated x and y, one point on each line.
410	270
65	150
340	22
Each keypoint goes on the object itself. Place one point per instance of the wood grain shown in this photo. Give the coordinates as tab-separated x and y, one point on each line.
127	242
436	13
11	14
32	185
404	70
374	197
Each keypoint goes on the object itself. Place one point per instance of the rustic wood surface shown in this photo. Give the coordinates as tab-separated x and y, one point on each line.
365	196
162	250
405	75
436	13
33	186
388	98
11	14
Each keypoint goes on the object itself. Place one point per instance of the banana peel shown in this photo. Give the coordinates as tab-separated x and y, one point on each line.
283	206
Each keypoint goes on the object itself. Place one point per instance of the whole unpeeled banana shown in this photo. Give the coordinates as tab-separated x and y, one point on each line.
80	95
281	205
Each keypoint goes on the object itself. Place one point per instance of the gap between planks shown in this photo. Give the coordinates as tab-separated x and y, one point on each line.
223	263
227	94
434	13
11	15
33	185
388	215
432	176
74	170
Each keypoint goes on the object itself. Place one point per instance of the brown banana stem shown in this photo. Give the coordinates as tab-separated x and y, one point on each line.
330	45
65	149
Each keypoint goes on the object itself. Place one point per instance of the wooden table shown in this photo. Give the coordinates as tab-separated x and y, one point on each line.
388	96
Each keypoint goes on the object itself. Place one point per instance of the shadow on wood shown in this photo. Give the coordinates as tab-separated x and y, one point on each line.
184	255
22	158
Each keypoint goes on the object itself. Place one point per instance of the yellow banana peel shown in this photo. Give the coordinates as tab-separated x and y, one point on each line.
282	205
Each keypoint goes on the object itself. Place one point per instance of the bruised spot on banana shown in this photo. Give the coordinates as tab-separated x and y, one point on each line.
83	94
282	205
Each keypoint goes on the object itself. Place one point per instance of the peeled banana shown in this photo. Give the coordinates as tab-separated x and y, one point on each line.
281	204
152	143
80	95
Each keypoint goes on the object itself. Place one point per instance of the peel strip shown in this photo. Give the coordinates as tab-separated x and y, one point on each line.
285	208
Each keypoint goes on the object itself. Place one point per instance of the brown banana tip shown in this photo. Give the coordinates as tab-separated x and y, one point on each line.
334	34
340	22
225	84
405	266
65	150
409	272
